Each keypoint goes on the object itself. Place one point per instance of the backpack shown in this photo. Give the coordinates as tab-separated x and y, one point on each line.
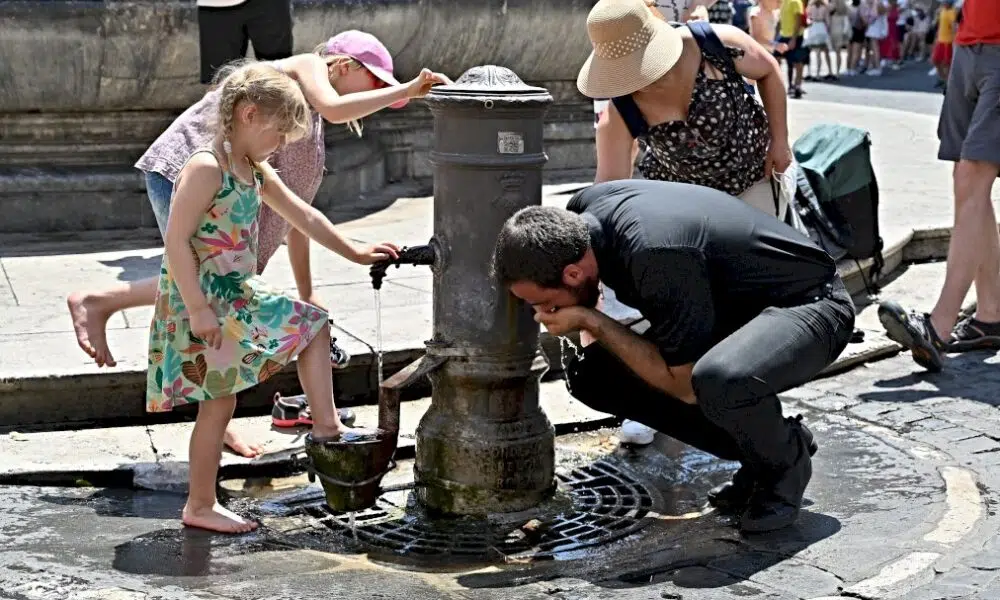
708	43
837	194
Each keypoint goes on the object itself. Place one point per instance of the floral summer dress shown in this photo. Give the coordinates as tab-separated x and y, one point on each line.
263	330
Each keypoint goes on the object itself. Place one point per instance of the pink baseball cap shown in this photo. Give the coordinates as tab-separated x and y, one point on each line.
367	50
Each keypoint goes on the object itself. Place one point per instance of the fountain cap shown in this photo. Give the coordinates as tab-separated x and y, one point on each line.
489	82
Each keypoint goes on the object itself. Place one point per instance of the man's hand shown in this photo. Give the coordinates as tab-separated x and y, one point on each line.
566	320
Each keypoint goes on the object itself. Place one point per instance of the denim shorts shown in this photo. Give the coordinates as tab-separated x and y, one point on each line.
159	189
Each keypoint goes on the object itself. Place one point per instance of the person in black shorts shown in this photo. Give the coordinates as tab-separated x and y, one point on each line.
740	307
227	27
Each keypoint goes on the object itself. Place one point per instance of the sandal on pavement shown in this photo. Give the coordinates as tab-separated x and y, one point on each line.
972	334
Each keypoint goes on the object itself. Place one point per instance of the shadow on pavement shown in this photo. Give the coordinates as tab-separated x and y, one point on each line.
134	268
967	376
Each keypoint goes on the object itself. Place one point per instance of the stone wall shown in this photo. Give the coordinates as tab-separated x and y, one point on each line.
88	84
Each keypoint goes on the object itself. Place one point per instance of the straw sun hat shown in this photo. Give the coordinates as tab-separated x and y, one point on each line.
632	49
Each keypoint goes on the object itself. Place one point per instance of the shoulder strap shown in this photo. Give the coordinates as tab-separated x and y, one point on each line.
706	38
709	43
631	114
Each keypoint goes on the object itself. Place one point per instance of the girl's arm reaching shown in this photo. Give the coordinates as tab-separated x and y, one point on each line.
314	224
312	73
196	186
298	258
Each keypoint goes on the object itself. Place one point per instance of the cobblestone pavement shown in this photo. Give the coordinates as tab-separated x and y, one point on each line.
953	418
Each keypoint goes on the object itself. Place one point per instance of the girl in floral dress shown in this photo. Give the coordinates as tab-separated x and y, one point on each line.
217	329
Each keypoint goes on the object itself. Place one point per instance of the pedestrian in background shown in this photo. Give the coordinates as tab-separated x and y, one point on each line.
942	54
857	48
721	13
840	32
817	38
227	27
968	129
741	14
764	25
874	12
791	27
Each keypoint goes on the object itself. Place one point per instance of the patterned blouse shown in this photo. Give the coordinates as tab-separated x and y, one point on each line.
722	145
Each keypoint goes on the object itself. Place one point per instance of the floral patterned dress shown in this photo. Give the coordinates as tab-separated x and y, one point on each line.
263	329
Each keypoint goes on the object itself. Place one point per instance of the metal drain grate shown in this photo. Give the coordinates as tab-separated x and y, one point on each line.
607	505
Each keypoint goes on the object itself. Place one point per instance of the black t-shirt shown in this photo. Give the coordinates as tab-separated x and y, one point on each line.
696	262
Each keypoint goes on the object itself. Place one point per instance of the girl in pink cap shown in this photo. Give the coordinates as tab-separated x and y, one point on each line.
345	79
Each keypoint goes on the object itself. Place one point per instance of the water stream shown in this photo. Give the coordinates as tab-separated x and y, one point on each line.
352	524
378	335
564	344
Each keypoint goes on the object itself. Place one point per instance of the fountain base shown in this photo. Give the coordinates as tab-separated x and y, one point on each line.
595	504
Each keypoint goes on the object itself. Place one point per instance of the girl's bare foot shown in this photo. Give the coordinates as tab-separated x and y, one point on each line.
328	432
216	518
238	445
89	323
345	434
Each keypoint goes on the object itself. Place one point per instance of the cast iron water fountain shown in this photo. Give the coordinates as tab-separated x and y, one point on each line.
484	448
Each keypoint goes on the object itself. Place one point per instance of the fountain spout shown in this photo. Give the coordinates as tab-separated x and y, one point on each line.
417	255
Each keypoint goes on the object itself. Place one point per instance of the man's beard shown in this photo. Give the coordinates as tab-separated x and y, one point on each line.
588	293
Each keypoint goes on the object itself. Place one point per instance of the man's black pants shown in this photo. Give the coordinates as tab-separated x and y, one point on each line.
738	414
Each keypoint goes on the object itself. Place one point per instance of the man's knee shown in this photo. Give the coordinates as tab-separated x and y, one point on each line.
721	385
713	382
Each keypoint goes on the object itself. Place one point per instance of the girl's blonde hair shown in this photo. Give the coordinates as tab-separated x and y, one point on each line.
352	64
274	93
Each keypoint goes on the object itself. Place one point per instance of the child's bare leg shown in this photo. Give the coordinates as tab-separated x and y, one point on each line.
203	509
91	310
316	377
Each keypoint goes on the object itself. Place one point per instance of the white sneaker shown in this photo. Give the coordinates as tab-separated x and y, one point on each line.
636	434
874	72
850	73
932	72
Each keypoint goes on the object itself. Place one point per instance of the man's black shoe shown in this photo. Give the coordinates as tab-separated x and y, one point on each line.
776	501
733	496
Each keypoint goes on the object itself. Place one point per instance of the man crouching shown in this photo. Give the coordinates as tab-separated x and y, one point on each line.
740	306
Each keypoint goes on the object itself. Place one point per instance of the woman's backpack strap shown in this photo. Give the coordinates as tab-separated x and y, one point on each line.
709	43
632	116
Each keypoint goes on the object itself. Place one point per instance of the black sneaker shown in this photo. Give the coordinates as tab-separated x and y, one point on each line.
913	331
733	496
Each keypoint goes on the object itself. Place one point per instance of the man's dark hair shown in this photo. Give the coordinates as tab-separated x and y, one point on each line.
537	243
